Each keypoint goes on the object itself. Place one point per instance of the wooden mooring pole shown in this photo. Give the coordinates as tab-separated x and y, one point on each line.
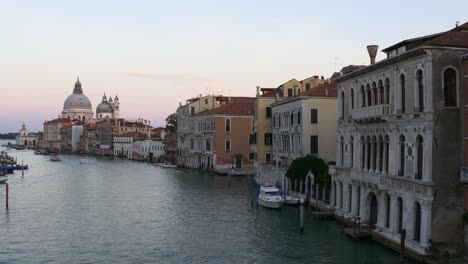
301	209
6	194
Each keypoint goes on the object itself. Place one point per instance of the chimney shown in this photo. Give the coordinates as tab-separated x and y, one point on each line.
258	91
372	50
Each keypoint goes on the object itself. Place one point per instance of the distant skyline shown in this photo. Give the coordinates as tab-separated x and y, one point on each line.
155	54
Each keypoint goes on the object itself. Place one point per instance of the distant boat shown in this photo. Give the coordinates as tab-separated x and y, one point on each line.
270	197
291	199
84	161
3	179
167	165
55	157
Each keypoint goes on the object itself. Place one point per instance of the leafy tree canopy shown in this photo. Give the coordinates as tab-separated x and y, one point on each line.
171	123
300	168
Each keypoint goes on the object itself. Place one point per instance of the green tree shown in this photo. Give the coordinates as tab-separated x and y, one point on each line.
300	168
171	123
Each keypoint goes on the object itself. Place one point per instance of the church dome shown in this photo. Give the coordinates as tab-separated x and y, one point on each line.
104	107
77	100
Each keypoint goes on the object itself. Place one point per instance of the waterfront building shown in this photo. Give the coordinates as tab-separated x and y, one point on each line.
27	139
400	143
305	124
219	137
170	147
184	112
261	139
52	138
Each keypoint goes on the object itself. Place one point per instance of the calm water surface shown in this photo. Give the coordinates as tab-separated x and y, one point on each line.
117	211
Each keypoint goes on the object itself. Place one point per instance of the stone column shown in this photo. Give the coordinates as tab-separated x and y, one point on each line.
338	195
393	213
355	200
427	158
426	214
332	195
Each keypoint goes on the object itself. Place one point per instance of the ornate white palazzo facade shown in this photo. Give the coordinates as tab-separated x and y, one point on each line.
399	146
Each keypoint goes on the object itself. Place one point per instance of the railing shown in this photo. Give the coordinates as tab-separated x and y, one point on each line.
375	111
464	175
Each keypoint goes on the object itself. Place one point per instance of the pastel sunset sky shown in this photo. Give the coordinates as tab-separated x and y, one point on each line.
155	54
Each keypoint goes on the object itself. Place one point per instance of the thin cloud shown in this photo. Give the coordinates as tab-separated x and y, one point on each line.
178	77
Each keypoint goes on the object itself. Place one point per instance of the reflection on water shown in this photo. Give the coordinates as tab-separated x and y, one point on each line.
117	211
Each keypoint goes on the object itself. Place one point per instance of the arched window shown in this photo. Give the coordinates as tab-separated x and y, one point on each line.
381	92
399	214
380	154
374	153
450	88
363	96
358	201
387	91
228	125
387	153
342	105
368	153
292	118
369	95
351	155
342	151
419	158
350	197
401	170
351	99
341	195
402	93
363	152
375	94
387	209
420	89
299	117
417	221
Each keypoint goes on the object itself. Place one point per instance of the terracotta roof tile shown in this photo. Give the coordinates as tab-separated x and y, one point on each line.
271	93
319	90
133	135
233	108
457	37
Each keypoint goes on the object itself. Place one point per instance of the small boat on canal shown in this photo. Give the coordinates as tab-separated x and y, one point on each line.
55	157
270	197
167	165
3	179
291	200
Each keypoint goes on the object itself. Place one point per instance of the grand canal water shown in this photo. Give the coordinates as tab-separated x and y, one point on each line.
118	211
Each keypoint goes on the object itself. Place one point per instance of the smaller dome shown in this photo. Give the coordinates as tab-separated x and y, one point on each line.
104	107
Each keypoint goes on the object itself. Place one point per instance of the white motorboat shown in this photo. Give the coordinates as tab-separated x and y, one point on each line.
167	165
3	179
291	200
84	161
270	197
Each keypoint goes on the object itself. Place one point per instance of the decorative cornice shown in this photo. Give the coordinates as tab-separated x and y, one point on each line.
382	64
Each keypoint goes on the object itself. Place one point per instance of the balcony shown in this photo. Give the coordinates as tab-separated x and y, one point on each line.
375	113
464	175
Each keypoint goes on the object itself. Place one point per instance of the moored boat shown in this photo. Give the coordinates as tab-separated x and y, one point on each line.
291	200
270	197
55	157
167	165
3	179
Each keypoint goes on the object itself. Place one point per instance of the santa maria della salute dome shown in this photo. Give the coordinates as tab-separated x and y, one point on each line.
77	106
